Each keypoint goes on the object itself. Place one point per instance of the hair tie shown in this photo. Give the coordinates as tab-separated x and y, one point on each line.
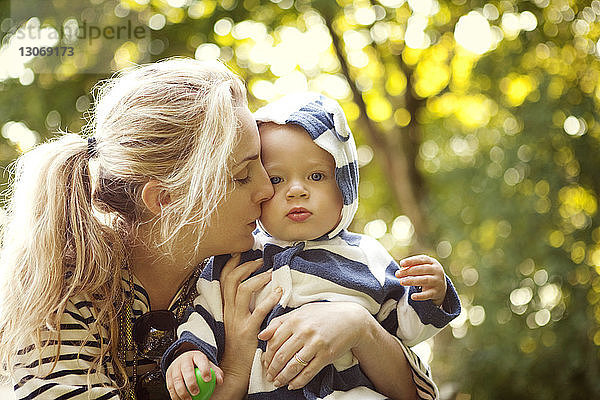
92	149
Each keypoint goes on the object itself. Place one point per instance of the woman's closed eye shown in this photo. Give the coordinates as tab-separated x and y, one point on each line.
242	178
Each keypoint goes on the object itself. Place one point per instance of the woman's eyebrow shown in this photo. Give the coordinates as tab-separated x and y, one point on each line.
248	158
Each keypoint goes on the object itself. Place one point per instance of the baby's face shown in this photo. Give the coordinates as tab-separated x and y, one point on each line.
307	202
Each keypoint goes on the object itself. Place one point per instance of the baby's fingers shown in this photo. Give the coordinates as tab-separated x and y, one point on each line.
204	365
189	376
416	260
417	270
423	280
219	375
176	387
424	295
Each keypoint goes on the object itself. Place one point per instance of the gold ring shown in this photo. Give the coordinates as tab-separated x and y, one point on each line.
299	360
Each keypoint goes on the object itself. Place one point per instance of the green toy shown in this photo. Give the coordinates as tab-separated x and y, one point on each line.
206	388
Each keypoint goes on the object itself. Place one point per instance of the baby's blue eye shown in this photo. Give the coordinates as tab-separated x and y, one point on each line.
275	180
316	176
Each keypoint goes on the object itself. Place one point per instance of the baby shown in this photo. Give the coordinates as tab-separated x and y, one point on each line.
310	156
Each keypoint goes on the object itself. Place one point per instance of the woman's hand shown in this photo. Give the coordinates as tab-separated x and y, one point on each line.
316	334
302	342
241	323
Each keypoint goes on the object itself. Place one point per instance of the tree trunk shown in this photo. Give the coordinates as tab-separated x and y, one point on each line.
396	157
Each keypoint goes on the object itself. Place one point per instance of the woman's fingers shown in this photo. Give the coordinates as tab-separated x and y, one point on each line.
242	271
321	331
227	285
280	335
232	275
283	366
230	266
307	373
300	359
269	331
262	309
247	288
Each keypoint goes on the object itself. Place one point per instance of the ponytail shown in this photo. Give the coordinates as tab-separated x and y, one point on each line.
54	248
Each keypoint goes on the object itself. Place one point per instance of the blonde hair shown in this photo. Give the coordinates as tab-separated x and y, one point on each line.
160	121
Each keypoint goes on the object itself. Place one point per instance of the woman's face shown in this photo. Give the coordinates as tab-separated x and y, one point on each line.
234	220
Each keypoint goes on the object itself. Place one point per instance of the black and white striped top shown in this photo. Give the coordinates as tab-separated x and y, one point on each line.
69	377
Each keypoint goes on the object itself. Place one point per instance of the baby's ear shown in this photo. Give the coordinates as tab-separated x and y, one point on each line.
155	196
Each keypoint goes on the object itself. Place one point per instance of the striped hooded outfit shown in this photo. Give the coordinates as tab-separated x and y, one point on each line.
338	266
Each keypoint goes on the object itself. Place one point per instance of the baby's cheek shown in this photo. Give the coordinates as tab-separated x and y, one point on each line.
267	217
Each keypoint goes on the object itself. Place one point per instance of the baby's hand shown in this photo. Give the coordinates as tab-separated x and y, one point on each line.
426	272
181	377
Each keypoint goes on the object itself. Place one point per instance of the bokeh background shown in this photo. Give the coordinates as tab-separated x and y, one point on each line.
477	132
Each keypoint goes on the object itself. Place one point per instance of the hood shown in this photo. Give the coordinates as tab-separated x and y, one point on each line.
324	120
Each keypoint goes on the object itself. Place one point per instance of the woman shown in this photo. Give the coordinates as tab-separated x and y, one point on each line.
104	236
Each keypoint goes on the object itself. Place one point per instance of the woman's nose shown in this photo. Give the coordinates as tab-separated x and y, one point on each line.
297	190
265	189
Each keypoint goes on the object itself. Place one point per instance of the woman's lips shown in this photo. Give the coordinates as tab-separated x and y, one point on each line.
298	214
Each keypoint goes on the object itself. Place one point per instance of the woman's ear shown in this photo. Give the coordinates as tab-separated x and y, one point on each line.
154	196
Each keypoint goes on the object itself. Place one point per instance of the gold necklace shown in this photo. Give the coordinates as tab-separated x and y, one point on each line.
126	342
